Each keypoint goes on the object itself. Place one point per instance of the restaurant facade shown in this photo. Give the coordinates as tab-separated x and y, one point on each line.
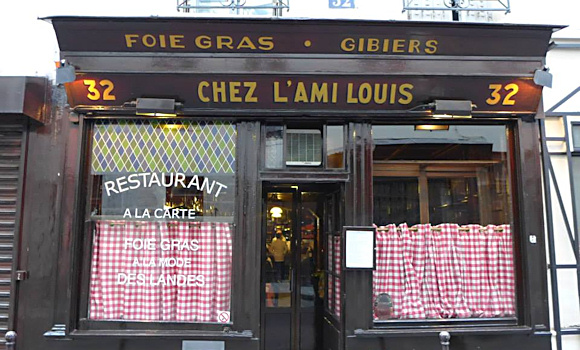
210	184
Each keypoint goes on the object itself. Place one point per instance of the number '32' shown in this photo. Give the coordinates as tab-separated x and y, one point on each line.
503	94
94	93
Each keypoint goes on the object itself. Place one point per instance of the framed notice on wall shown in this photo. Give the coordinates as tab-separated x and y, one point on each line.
359	247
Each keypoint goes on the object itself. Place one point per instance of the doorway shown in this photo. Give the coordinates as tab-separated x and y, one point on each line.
298	221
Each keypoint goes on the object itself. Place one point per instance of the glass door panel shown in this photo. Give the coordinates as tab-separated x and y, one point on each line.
309	270
279	238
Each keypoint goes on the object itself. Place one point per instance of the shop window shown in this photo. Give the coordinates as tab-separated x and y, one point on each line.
293	147
160	219
443	208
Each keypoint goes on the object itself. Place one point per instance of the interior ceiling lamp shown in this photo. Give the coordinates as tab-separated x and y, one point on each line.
451	108
156	107
276	212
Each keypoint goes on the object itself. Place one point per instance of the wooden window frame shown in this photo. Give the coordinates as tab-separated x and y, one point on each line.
423	170
324	151
80	325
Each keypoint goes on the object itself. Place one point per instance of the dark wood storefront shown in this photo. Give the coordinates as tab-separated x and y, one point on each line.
315	76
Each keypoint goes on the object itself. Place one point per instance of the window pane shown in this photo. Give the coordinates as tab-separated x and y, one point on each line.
443	207
335	146
274	147
453	200
576	136
160	217
396	200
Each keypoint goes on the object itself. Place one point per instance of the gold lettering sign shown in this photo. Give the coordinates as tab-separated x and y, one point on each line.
387	45
306	93
253	43
201	42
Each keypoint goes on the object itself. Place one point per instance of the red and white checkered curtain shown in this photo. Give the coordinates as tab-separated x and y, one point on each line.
389	273
414	259
330	286
337	270
446	272
110	300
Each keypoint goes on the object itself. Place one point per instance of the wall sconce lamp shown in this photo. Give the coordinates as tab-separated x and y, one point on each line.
156	107
543	77
65	73
451	108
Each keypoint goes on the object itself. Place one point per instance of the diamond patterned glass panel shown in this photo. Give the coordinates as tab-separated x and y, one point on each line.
161	146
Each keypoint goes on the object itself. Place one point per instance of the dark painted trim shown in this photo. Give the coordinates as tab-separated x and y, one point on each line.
559	114
564	266
531	222
405	116
78	282
357	284
557	139
215	335
433	331
279	64
247	248
288	176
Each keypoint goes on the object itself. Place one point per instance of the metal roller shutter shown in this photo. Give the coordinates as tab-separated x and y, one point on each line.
10	160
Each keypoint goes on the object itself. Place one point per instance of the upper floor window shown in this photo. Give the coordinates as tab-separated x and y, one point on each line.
575	136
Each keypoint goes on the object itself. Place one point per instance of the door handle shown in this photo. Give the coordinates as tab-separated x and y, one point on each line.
10	340
291	278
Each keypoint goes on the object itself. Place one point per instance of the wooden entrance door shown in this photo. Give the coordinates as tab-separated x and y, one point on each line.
293	267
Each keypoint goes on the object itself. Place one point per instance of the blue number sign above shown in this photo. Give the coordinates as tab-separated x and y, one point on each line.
341	4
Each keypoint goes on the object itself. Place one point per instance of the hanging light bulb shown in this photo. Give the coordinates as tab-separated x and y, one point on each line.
276	212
